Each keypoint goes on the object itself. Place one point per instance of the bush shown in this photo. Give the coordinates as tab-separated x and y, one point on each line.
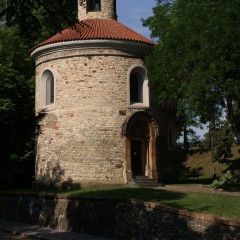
228	180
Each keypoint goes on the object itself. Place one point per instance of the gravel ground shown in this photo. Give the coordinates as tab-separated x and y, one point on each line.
10	236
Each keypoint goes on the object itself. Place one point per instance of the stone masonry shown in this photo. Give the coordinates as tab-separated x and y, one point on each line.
108	8
82	138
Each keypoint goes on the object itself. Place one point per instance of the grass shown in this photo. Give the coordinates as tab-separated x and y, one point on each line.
219	205
202	161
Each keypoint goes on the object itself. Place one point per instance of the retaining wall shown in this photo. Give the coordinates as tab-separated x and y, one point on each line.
116	219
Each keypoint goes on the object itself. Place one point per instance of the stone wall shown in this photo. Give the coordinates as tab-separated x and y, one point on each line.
116	219
81	137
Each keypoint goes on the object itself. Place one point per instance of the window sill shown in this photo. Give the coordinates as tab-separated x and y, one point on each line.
49	107
89	11
138	105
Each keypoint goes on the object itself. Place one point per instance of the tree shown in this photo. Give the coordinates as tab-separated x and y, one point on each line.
197	58
39	18
17	117
186	120
3	4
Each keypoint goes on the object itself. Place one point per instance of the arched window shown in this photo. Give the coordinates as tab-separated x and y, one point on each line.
47	89
138	88
93	5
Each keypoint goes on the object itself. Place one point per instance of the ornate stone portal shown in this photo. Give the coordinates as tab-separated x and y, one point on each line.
102	124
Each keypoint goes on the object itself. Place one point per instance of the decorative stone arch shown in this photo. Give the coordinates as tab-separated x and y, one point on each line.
140	154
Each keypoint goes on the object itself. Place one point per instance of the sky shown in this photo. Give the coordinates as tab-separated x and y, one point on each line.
130	13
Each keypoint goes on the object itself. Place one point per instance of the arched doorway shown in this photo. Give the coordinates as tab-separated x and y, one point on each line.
140	132
139	138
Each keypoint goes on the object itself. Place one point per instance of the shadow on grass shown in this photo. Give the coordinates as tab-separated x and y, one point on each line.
144	194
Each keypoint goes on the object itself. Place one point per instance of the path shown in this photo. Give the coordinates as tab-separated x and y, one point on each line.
11	236
197	188
37	232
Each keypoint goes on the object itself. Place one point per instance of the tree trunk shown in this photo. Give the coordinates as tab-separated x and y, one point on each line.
212	158
185	137
235	122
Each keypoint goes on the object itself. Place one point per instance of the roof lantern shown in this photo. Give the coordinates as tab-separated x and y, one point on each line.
97	9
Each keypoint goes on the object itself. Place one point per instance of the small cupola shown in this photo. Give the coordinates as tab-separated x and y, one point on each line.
97	9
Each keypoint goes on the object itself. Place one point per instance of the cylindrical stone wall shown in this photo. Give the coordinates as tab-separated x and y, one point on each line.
81	135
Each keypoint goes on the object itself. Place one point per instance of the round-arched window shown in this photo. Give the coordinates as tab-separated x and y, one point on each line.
47	88
138	87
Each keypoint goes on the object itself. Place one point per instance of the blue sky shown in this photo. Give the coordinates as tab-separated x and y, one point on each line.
130	13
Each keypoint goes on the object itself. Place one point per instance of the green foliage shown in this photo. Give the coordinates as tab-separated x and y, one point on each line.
228	180
3	4
37	18
196	62
17	117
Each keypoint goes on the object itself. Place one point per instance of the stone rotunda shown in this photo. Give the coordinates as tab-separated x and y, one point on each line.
102	125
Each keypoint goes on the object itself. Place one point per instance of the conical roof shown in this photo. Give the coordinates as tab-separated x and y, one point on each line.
96	28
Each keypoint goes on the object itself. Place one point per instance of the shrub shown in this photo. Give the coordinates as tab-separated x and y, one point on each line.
228	180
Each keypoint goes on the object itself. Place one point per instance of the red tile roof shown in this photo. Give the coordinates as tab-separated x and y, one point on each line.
90	29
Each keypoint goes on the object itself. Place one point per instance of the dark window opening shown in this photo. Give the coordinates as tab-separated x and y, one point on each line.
115	9
136	88
49	91
136	158
93	5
